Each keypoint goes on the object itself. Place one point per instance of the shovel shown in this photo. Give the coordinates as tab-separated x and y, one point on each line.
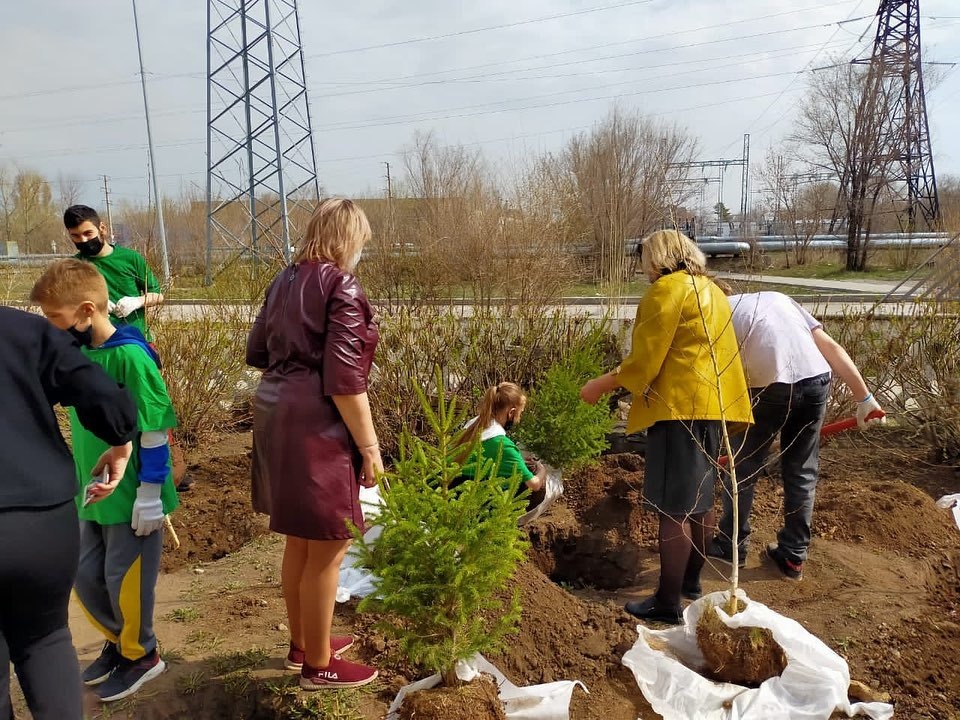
831	429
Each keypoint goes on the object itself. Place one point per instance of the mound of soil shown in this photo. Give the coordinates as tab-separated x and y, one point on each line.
214	518
744	656
597	535
477	700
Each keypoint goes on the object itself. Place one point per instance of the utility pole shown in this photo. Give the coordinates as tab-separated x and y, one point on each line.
153	165
106	199
389	185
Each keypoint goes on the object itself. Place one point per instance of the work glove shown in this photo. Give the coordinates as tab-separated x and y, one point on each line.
147	509
866	406
127	305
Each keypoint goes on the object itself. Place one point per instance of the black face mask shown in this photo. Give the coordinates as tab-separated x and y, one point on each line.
91	247
84	337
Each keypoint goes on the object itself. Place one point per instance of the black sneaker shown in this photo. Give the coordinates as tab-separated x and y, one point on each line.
100	669
129	676
715	551
790	569
649	610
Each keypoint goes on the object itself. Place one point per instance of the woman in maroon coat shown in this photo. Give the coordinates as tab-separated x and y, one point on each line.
314	442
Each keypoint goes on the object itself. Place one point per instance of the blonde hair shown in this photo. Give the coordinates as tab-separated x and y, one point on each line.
495	400
668	250
70	282
337	232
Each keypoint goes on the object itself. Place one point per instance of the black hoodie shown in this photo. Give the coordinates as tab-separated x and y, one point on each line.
41	366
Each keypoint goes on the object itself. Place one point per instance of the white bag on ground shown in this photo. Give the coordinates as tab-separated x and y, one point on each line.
813	685
355	581
550	701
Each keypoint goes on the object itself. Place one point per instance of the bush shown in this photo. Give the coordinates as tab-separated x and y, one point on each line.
443	554
473	353
559	428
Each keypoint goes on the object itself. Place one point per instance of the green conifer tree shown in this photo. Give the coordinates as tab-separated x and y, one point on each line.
444	552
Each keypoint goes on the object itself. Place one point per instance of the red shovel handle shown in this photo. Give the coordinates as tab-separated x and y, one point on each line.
831	429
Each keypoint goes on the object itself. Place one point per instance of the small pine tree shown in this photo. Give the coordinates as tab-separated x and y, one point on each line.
444	552
558	427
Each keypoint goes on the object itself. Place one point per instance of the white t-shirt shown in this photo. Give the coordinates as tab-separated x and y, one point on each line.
776	341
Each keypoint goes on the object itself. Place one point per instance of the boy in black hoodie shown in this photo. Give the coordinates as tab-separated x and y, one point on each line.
121	538
40	367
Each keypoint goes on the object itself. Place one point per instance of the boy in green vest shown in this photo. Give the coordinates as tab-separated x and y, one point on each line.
121	537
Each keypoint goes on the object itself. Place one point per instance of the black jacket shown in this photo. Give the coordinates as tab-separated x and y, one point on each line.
41	366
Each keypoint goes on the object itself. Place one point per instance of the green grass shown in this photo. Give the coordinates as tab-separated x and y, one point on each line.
831	270
184	615
236	661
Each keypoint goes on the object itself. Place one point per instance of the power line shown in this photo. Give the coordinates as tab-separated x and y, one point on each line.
474	31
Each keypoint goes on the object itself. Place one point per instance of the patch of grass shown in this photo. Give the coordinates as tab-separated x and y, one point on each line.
192	683
204	641
237	683
184	615
238	661
335	705
194	592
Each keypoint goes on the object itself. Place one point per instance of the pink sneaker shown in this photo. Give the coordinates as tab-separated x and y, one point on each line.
338	644
338	674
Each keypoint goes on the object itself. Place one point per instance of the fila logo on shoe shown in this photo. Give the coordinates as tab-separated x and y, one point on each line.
330	675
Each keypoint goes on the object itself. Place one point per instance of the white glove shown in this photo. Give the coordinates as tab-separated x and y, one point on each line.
866	406
147	509
111	306
127	305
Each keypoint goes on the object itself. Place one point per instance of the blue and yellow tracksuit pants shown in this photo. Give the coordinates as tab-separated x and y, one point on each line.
116	584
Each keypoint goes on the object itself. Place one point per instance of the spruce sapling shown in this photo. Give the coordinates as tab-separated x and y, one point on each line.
444	553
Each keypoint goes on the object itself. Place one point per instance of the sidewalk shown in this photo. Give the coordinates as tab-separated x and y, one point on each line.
878	287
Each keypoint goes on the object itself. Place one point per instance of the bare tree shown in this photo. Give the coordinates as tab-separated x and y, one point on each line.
800	204
623	178
840	122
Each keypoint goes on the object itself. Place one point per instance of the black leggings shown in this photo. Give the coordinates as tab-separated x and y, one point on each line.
39	550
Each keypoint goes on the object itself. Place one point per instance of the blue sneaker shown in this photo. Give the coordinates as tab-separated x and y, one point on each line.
99	670
129	676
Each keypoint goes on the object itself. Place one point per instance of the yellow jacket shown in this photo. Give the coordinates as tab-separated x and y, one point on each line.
670	370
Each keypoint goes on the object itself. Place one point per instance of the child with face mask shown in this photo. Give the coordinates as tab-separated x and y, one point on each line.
121	537
501	408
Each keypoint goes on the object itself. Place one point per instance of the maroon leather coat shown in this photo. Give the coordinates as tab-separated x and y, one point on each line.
314	337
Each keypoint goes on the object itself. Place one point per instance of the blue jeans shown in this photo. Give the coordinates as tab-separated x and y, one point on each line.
795	412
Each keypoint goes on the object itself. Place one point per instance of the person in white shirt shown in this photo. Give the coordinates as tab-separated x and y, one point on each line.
789	360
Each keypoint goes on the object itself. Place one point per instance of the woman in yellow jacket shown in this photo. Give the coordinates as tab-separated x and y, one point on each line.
685	375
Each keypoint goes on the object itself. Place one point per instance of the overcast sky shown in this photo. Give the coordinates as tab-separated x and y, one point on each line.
70	99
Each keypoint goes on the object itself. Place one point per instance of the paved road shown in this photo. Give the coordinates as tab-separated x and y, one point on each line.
880	287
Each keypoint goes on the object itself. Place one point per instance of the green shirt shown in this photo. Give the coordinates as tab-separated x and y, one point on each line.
127	275
131	366
505	455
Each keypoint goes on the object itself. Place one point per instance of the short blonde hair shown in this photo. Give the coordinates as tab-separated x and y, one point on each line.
669	250
70	282
337	232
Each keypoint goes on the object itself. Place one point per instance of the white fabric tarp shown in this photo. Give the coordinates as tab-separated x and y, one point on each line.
951	502
553	486
550	701
813	685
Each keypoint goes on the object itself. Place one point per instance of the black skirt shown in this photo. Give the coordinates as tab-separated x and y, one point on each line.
681	467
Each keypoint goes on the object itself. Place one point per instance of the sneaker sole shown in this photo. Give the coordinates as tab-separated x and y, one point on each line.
791	578
728	561
309	685
151	674
98	680
290	665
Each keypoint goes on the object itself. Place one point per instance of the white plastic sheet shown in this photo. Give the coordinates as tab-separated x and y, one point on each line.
553	487
550	701
813	685
951	502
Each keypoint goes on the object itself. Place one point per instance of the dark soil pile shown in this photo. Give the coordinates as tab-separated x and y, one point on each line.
214	518
597	534
744	656
477	700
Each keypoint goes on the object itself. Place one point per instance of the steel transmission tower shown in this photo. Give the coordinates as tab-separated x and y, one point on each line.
896	76
261	165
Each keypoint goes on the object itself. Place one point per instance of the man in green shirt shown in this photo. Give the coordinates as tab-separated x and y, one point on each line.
121	537
131	286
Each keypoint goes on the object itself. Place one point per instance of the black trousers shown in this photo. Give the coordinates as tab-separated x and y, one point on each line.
39	550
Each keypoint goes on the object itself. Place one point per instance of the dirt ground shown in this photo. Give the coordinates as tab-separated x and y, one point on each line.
881	587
